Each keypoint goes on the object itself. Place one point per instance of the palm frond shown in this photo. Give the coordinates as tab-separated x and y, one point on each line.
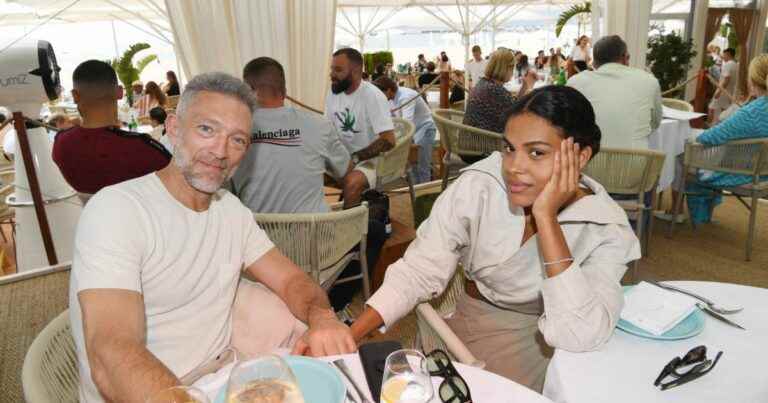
566	15
144	62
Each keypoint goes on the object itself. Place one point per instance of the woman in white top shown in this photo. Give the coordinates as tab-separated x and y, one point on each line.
580	55
543	247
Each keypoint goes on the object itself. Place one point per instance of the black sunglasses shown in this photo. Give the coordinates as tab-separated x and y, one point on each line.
697	356
454	388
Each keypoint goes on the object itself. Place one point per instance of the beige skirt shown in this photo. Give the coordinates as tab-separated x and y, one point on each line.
509	342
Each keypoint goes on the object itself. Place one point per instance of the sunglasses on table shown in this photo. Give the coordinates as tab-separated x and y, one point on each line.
696	357
454	388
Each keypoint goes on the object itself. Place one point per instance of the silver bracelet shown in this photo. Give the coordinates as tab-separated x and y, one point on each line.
569	259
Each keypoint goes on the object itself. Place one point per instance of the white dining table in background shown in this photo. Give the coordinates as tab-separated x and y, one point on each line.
485	386
670	139
624	369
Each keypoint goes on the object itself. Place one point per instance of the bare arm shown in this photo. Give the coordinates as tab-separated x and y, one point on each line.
384	143
308	303
121	366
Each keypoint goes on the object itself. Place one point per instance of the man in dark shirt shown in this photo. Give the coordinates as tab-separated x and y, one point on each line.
97	153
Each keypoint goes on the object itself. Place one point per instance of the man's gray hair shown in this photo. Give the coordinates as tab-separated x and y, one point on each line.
220	83
609	49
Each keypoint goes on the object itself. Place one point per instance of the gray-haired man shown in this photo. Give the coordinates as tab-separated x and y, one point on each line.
158	259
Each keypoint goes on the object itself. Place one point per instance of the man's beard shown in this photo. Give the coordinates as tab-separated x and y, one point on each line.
341	85
201	183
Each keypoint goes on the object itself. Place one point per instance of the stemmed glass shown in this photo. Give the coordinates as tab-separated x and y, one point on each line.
406	378
179	394
264	379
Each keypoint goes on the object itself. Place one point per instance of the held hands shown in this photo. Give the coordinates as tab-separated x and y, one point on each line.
326	336
563	184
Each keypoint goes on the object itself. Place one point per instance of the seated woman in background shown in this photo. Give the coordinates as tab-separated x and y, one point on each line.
489	99
171	86
542	246
157	118
457	92
749	121
153	97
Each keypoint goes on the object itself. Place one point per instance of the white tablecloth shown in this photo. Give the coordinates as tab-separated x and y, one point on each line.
485	387
670	139
625	368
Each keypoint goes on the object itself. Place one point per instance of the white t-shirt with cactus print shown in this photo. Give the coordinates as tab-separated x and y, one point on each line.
359	117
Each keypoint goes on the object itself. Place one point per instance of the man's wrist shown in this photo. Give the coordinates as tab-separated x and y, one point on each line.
319	315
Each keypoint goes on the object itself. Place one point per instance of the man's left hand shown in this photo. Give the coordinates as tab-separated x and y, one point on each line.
327	336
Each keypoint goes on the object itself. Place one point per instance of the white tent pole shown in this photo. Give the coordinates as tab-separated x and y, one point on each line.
346	30
140	17
485	20
26	33
441	19
387	17
159	11
351	25
494	27
512	14
154	10
361	36
114	39
140	29
466	34
367	29
387	39
447	17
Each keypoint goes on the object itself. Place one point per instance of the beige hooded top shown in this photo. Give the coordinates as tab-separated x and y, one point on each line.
472	223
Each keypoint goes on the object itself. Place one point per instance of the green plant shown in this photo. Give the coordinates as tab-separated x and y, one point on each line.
565	16
127	72
669	58
727	32
371	60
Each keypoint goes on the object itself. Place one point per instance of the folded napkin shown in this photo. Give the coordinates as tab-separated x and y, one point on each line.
654	309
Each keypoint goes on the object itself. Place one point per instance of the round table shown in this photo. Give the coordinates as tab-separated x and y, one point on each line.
484	386
670	139
624	369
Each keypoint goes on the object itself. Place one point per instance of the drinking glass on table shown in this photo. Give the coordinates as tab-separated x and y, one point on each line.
264	379
406	378
179	394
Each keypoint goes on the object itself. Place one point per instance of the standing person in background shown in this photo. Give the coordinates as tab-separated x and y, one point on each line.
475	67
554	62
729	76
580	55
421	64
137	91
443	64
540	61
152	98
171	86
522	66
416	111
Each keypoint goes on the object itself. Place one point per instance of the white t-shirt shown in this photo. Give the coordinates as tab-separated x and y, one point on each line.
730	69
186	265
476	70
417	112
580	55
359	117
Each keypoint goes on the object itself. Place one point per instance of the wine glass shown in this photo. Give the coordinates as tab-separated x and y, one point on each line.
264	379
406	379
179	394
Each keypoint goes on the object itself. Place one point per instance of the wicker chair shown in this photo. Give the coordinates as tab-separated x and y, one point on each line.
460	139
742	157
458	106
435	333
393	165
633	173
677	104
321	244
50	372
29	301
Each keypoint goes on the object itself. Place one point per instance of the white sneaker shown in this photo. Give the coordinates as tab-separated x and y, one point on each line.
668	217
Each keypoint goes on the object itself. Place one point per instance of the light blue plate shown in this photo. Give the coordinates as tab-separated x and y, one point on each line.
692	325
318	381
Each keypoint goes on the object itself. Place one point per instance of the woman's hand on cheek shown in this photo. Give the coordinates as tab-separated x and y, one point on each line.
563	183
